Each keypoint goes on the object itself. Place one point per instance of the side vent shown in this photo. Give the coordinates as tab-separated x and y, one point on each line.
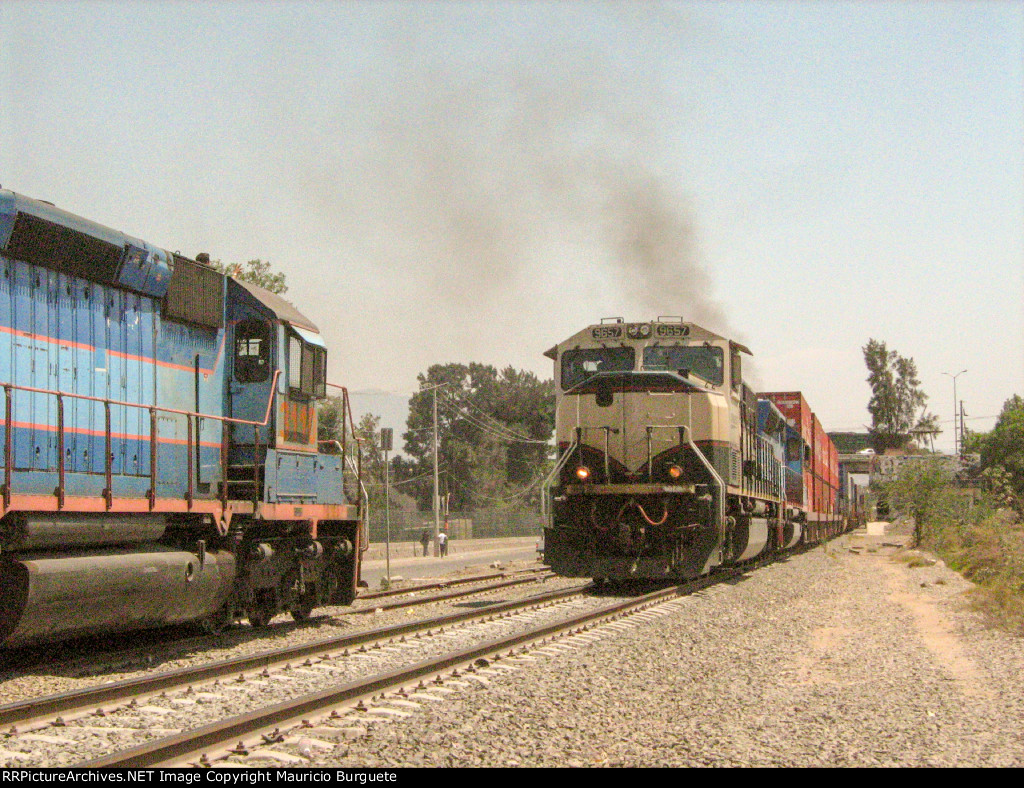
195	294
40	242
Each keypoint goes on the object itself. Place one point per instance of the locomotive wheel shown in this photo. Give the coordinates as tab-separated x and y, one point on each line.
303	612
217	622
261	612
304	604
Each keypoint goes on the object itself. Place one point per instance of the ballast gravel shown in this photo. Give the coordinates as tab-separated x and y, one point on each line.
242	640
842	656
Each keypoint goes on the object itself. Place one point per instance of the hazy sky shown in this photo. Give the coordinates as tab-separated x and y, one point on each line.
477	181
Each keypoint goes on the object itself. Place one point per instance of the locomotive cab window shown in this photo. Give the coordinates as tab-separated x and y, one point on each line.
252	351
307	365
580	364
736	370
705	361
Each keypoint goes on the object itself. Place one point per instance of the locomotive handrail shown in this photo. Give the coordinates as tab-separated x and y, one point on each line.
347	423
140	405
364	498
546	486
10	388
684	433
581	431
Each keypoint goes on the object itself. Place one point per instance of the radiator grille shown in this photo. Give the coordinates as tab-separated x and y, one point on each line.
195	294
55	246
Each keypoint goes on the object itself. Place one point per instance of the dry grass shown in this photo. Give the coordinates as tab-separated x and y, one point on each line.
987	547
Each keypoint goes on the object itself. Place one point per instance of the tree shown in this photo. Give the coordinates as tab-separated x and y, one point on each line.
256	272
896	396
916	488
1002	449
329	424
493	433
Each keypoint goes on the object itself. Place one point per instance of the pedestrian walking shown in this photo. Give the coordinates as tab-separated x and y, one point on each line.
442	542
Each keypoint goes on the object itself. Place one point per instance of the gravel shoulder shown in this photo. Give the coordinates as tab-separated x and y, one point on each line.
842	656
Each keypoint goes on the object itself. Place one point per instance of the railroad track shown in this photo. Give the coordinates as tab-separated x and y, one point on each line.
58	715
261	679
532	577
457	581
387	692
67	654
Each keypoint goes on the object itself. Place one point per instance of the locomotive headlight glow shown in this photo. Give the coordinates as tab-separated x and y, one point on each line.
583	473
675	471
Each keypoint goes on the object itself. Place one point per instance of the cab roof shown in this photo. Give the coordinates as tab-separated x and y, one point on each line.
282	310
697	332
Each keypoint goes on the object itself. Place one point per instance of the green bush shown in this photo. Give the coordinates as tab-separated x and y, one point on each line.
973	532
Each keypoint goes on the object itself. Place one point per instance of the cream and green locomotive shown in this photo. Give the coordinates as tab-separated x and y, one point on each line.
663	471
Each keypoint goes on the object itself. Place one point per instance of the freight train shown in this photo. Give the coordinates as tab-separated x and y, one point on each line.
670	466
160	455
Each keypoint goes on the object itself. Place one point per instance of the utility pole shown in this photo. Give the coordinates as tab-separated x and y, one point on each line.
963	433
956	443
386	438
437	496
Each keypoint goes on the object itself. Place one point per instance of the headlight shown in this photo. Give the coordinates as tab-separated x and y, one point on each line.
675	471
583	473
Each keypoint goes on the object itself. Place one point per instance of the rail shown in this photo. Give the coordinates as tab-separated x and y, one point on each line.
684	435
364	499
192	419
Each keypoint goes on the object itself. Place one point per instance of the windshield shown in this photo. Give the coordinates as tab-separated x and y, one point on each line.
578	365
704	361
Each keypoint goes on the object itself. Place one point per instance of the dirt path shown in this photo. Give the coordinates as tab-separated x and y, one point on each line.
931	593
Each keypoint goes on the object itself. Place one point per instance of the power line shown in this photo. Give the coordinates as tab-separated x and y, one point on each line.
498	429
467	402
521	494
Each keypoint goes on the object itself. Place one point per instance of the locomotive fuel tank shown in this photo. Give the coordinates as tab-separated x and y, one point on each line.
47	597
39	531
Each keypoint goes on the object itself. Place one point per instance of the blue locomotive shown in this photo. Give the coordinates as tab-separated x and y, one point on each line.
159	432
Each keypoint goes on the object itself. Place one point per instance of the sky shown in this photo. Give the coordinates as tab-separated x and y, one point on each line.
477	181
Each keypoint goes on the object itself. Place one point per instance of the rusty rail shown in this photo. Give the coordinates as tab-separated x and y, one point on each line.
220	734
66	703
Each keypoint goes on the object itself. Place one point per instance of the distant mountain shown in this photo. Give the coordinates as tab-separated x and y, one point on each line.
391	406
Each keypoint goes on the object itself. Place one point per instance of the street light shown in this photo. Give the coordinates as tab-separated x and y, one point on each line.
956	445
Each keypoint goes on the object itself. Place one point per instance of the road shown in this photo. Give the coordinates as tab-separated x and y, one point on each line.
462	554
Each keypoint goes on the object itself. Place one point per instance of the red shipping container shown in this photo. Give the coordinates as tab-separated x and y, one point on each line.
796	410
798	413
821	468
